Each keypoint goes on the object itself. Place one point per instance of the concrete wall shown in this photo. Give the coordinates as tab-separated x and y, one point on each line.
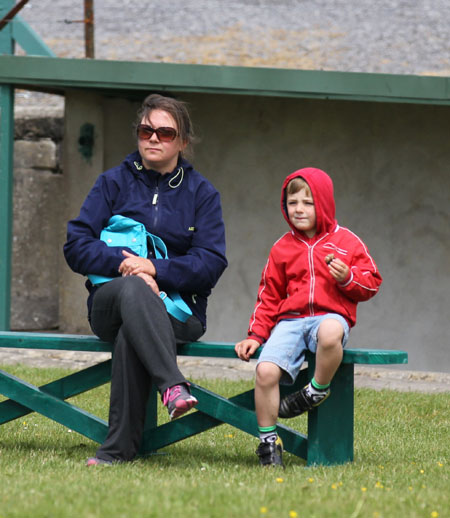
37	215
111	119
389	163
390	166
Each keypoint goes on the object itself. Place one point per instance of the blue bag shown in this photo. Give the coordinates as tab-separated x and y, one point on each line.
127	232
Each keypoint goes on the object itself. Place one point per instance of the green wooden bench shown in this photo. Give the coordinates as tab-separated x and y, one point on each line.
329	439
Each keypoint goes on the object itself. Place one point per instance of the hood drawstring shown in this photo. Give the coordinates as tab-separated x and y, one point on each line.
179	172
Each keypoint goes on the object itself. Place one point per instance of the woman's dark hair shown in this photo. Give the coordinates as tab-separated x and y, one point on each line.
177	109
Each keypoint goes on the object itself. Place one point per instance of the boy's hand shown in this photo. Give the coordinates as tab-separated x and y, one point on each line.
246	348
338	270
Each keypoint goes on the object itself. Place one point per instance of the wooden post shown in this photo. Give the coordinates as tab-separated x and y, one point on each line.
89	28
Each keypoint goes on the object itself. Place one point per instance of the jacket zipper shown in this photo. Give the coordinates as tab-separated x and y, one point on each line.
312	285
155	205
312	281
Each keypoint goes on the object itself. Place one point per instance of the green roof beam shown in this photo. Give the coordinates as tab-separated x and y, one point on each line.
55	74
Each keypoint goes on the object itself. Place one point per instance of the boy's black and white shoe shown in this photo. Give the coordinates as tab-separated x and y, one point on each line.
271	453
302	401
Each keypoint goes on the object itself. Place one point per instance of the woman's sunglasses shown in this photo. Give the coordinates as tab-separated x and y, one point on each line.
164	134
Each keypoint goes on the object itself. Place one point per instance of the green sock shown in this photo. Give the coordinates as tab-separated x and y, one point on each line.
268	433
318	386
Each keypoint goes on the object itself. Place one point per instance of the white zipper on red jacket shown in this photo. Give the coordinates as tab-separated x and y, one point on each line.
312	274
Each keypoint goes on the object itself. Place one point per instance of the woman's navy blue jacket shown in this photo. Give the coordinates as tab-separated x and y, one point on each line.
181	207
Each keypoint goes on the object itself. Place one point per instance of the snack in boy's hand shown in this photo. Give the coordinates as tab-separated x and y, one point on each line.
329	258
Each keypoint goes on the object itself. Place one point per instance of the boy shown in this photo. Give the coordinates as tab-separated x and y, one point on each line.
314	278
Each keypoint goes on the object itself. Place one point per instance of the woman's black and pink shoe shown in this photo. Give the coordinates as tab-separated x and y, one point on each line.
178	400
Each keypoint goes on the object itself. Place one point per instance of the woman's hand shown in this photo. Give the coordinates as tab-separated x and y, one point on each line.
339	270
246	348
133	265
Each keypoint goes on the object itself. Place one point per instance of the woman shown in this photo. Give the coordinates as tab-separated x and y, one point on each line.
158	187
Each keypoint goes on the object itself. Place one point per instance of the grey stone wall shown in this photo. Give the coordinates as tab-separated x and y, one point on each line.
37	213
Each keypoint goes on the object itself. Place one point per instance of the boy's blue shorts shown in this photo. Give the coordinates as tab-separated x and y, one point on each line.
290	339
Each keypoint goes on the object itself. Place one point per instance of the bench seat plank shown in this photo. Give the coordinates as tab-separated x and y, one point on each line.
209	349
26	340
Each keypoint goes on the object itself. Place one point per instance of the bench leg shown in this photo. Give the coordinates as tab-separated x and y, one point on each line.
330	425
64	388
49	400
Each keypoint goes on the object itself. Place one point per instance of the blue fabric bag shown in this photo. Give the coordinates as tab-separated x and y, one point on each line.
127	232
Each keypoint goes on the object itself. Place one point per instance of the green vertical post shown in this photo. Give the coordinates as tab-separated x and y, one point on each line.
330	425
6	174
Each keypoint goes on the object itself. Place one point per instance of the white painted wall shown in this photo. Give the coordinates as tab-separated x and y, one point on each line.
390	166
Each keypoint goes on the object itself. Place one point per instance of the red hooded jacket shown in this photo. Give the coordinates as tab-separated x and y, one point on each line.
296	283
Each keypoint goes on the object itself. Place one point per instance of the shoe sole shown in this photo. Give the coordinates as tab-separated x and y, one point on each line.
182	406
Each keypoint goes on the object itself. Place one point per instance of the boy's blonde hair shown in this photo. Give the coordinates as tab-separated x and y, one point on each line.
296	185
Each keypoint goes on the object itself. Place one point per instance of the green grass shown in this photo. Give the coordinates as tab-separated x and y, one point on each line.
401	467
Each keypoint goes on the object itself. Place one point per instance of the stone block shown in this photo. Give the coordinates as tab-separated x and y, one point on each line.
34	126
37	250
40	154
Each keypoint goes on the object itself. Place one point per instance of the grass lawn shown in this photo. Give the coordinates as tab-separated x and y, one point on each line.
401	467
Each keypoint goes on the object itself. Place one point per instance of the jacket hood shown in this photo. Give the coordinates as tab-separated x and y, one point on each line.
321	187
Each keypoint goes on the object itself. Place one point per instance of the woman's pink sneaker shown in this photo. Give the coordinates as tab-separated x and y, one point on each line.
95	461
178	400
